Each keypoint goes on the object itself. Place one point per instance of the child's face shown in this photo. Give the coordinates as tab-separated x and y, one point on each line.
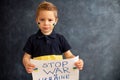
46	20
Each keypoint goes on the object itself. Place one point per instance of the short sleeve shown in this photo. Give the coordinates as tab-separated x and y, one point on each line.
28	46
65	44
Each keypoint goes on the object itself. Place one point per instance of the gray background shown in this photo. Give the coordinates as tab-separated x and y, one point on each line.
92	27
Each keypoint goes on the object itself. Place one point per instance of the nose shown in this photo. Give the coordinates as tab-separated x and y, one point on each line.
46	22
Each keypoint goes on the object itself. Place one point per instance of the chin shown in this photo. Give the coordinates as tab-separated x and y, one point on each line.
47	32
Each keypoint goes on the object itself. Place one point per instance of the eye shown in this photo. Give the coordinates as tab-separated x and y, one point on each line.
50	20
42	19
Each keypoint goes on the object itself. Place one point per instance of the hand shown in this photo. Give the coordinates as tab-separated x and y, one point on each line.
29	67
79	64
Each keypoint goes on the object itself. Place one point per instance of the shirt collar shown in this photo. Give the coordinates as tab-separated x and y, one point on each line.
40	35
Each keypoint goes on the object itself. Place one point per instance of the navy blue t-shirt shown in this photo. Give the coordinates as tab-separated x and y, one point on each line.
39	44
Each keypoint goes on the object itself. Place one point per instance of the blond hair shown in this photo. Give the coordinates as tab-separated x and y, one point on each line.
47	6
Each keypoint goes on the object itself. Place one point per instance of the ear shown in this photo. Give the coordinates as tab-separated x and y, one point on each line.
37	21
56	20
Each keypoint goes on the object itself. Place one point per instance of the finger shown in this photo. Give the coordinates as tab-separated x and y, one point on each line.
81	68
28	69
31	65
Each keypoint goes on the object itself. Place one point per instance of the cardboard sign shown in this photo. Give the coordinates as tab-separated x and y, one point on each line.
55	69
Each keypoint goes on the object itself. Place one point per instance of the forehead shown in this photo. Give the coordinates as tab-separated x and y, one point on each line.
46	14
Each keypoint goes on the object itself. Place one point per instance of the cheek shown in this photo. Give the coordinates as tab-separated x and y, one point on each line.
52	26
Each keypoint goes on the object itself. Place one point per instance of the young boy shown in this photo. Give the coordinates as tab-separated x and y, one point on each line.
46	44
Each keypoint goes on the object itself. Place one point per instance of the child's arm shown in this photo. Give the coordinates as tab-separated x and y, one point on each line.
79	64
26	62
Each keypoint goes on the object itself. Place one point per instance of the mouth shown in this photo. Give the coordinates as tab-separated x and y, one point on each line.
46	28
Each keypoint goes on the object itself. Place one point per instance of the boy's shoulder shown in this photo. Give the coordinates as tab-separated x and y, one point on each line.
59	35
32	36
